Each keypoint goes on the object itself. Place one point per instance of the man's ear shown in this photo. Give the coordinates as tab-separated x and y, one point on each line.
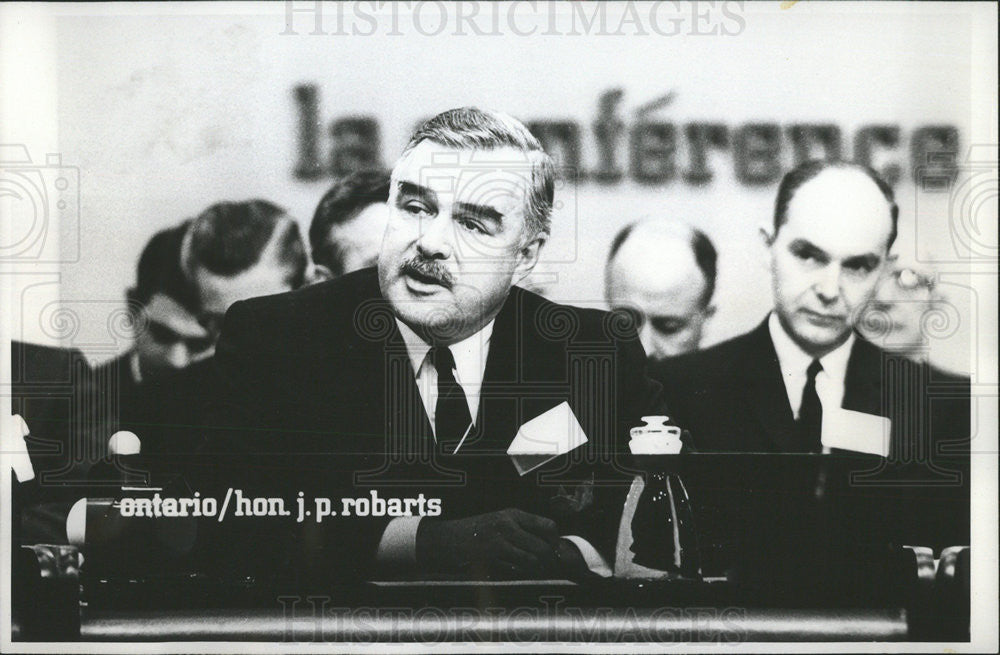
767	237
528	256
890	261
318	273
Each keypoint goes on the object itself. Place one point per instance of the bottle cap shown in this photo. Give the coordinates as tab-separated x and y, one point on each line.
124	442
656	437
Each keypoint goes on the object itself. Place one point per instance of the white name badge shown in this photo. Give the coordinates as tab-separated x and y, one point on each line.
545	437
857	431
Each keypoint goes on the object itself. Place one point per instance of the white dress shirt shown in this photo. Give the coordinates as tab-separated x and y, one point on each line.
398	545
794	362
470	366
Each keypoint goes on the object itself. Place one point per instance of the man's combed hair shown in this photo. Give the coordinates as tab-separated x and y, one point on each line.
159	268
705	255
470	128
229	238
340	204
808	170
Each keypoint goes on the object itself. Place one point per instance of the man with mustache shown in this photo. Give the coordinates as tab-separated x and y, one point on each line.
433	376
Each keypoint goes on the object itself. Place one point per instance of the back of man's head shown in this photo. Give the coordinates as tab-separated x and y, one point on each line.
230	238
159	269
344	235
239	250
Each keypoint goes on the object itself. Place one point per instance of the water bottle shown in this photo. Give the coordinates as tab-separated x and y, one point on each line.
664	536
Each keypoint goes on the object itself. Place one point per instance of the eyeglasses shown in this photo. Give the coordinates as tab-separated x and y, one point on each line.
908	279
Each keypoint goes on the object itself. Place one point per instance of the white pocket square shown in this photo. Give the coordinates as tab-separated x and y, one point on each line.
545	437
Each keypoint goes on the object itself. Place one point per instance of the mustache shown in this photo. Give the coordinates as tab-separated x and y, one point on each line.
428	268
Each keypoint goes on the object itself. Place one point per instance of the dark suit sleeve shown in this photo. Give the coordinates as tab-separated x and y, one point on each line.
231	455
259	442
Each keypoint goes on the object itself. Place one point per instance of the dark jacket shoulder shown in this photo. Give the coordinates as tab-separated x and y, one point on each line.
733	358
323	310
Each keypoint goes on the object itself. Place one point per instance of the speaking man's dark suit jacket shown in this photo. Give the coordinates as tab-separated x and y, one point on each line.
320	397
732	399
165	411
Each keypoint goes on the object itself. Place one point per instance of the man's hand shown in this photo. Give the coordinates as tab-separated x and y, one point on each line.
508	543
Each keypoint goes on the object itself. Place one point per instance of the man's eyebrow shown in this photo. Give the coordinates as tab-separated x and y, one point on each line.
422	192
484	212
803	246
869	259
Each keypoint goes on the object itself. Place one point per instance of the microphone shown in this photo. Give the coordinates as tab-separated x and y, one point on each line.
117	543
113	470
124	442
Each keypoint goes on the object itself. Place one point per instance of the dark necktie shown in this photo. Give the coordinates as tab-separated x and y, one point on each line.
451	419
811	412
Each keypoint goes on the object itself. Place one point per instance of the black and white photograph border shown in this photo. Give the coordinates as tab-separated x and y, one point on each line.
125	126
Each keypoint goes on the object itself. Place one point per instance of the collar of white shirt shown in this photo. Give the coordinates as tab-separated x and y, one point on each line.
794	362
470	366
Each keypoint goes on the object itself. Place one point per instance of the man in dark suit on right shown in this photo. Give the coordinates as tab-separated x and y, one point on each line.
804	382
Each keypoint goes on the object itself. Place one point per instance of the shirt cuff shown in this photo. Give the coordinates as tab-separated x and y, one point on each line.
590	555
398	546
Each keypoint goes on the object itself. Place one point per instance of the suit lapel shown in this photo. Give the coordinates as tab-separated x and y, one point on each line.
766	392
496	421
387	386
862	382
518	360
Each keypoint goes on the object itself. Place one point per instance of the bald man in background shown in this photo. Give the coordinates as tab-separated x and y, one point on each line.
663	274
